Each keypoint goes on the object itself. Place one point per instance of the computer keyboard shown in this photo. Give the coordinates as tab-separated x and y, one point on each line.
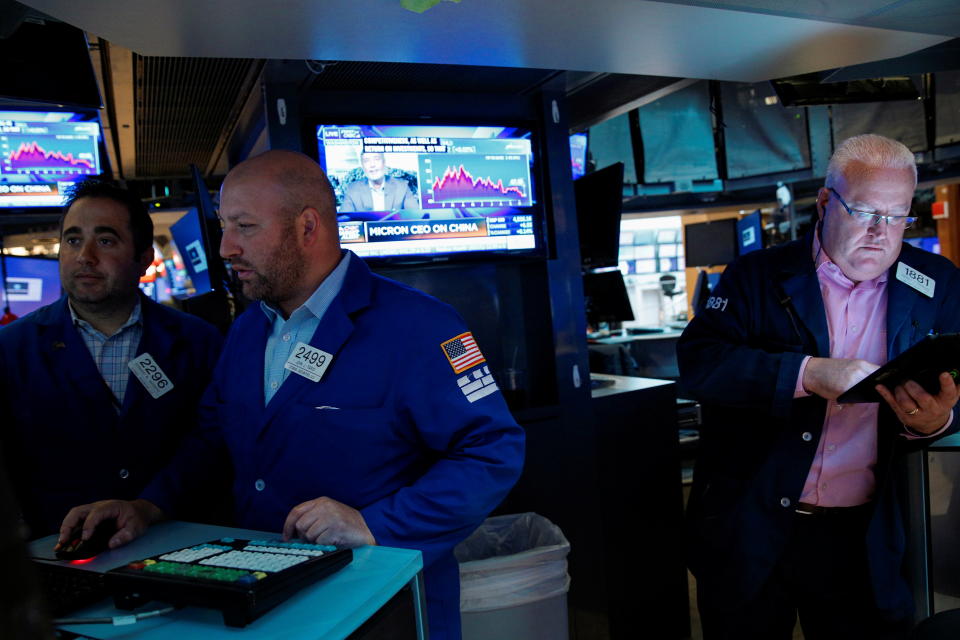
242	578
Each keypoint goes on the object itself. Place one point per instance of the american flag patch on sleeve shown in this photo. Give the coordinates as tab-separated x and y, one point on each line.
462	352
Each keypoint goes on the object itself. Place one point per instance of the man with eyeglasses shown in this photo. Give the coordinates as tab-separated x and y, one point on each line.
794	509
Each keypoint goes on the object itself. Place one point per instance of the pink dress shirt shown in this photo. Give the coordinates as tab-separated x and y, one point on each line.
842	471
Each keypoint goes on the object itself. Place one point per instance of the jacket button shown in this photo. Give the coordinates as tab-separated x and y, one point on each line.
259	485
784	502
807	436
124	474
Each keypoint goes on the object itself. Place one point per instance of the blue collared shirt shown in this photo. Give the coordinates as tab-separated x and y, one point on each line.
299	327
113	353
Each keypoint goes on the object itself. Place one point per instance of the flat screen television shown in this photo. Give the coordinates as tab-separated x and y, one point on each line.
431	192
48	61
708	244
44	152
31	283
599	200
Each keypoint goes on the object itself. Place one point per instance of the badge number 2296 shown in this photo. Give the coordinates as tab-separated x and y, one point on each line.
309	362
150	375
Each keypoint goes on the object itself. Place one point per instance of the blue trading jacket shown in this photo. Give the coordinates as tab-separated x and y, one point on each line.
740	358
388	430
64	443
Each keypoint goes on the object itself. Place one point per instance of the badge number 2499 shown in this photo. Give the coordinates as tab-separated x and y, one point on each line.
307	361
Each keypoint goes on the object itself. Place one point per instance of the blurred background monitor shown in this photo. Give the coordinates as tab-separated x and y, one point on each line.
599	201
749	233
928	243
708	244
605	295
578	154
189	257
31	283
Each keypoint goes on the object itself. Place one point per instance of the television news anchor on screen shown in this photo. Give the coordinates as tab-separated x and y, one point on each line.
794	509
354	410
78	424
377	191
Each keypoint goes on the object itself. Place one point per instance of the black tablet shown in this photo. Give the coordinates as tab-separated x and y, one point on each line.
922	363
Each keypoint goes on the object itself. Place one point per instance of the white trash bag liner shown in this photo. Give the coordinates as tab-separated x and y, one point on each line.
512	560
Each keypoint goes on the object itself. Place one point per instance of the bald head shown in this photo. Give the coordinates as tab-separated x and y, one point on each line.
279	227
297	180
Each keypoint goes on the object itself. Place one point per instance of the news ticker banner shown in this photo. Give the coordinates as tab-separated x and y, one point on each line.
392	230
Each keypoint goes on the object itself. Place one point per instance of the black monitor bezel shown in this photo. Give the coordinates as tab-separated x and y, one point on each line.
538	253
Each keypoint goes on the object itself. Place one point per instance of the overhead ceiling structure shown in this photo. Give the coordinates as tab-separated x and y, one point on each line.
178	72
746	41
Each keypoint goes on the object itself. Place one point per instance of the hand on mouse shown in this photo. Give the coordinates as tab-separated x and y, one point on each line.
132	518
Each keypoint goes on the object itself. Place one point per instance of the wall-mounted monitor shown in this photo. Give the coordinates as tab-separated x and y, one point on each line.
430	192
49	62
599	200
709	244
42	153
31	283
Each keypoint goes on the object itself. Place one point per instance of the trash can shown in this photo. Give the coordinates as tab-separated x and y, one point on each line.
513	580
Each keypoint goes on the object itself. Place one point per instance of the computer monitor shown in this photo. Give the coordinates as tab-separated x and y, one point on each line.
192	256
433	192
42	153
48	61
749	233
599	201
32	282
606	298
708	244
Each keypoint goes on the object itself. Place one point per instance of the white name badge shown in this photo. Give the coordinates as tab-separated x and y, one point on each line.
309	362
921	282
150	375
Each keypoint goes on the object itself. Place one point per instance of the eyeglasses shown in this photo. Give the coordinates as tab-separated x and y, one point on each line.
869	219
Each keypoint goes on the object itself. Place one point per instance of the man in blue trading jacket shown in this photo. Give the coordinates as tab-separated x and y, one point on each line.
354	410
78	425
794	509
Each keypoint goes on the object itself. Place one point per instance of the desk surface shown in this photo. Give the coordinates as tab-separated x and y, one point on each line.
623	384
621	339
332	608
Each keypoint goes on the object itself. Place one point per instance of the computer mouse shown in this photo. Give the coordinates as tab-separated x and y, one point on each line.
77	549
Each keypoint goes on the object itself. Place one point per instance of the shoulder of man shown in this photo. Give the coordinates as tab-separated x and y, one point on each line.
932	262
789	256
417	307
51	314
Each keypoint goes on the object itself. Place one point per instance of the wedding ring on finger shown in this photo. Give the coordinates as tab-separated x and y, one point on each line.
914	412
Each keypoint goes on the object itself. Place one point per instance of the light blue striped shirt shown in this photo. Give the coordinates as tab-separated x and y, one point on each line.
112	353
299	327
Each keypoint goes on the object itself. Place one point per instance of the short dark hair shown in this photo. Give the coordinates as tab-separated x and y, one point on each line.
141	225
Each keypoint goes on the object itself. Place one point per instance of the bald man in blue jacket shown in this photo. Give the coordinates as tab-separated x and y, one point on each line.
353	410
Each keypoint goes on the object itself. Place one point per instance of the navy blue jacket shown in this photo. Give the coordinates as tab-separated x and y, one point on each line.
740	358
387	430
64	443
